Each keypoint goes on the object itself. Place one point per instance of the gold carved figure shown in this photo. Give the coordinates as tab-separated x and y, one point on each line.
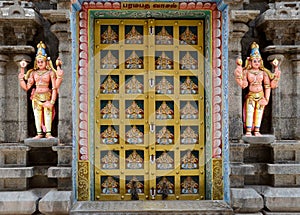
110	161
165	161
164	112
133	37
188	37
165	185
109	136
164	136
43	75
134	61
188	87
163	37
188	62
110	186
134	111
109	86
189	161
109	111
189	111
109	61
163	62
189	136
134	86
134	161
109	36
134	136
189	186
135	182
164	86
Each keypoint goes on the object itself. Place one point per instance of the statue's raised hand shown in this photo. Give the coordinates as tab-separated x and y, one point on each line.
23	64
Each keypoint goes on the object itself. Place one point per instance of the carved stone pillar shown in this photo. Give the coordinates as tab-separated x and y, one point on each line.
238	28
296	73
22	102
276	101
61	28
3	61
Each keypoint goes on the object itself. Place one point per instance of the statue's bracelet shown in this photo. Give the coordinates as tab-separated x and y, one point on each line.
52	102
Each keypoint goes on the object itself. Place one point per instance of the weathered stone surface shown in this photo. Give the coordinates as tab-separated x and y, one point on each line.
16	172
23	202
287	151
55	202
43	142
64	155
151	207
246	200
13	154
284	169
237	152
259	139
60	172
282	199
280	213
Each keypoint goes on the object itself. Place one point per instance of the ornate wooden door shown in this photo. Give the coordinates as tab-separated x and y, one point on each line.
149	109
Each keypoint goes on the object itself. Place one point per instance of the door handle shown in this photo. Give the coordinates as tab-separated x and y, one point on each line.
152	192
152	127
152	159
151	82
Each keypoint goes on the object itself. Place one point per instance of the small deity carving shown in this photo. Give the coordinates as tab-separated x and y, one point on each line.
133	37
164	87
260	82
165	187
109	36
109	111
189	161
134	161
43	75
164	112
164	62
164	137
188	38
109	61
134	111
134	61
165	161
134	86
109	86
110	186
134	136
134	185
163	37
188	87
189	186
109	136
189	136
110	161
188	62
189	111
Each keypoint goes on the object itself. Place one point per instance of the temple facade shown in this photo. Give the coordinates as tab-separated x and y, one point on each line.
149	117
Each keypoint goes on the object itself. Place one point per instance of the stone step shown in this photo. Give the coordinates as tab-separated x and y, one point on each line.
207	207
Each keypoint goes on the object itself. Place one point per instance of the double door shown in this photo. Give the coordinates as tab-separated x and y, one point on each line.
149	109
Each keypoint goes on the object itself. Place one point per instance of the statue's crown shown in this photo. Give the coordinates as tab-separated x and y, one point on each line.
254	51
41	52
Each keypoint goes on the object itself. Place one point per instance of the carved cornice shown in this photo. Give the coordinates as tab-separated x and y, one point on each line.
281	23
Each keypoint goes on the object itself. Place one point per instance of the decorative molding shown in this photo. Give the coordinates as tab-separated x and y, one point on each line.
83	181
217	179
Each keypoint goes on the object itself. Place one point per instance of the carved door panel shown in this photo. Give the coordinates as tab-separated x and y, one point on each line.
149	109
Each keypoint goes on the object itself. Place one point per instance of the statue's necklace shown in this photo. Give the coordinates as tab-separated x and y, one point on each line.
255	72
41	73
